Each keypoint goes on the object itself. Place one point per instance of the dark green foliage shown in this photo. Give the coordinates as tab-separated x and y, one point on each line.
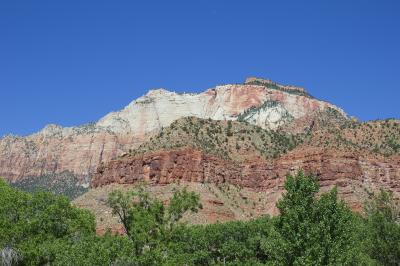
228	140
146	221
234	243
274	86
93	250
311	230
380	136
229	129
30	223
64	183
394	145
40	228
383	217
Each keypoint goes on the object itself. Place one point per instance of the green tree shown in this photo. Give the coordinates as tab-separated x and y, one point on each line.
312	231
229	129
383	220
230	243
147	222
30	223
94	250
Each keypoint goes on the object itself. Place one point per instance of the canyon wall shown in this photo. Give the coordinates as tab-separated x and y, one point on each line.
354	174
81	149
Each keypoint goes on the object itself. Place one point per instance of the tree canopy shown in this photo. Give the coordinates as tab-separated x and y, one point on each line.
311	229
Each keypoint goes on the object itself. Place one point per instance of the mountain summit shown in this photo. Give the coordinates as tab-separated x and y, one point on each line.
79	150
248	135
257	101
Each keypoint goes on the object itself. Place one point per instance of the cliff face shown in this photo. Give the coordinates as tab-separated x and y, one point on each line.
159	108
41	154
354	174
238	168
80	150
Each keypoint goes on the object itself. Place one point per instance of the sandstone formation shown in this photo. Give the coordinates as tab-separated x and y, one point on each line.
238	168
58	151
159	108
354	174
79	150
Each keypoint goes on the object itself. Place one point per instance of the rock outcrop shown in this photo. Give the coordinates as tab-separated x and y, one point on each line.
237	167
42	153
80	150
354	174
159	108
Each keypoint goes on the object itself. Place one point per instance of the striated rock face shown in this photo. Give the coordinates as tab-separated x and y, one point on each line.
41	153
354	174
271	84
239	184
159	108
80	150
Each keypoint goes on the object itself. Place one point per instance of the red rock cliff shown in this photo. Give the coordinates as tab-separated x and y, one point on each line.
351	172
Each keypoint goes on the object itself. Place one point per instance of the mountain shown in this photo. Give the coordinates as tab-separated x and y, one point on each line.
75	152
239	169
245	137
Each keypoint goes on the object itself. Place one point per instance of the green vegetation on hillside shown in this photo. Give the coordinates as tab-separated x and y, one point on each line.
64	183
241	141
379	137
227	139
34	226
43	229
274	86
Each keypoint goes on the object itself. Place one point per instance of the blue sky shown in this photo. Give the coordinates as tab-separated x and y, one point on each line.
71	62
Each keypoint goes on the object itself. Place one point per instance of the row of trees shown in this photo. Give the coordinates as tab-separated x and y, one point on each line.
40	228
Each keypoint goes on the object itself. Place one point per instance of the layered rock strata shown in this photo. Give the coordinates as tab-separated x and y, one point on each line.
80	150
354	174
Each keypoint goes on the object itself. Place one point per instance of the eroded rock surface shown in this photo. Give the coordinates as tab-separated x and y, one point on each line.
354	174
80	150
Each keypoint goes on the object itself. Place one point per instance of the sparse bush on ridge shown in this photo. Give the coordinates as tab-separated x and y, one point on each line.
226	139
64	183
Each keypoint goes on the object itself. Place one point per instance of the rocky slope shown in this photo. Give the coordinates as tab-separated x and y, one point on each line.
226	139
271	104
208	153
344	169
231	191
233	144
74	153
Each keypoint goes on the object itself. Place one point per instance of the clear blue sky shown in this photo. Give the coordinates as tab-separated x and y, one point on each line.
71	62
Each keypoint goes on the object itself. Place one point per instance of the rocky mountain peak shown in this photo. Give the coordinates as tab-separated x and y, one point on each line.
250	80
52	130
79	150
248	135
273	85
158	92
